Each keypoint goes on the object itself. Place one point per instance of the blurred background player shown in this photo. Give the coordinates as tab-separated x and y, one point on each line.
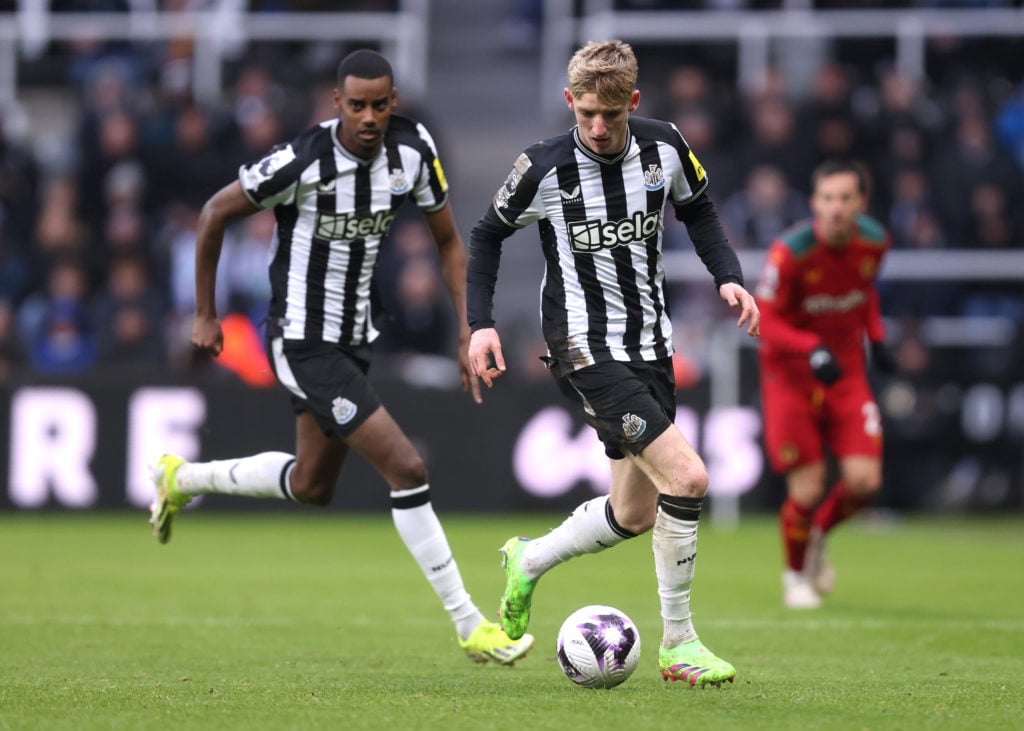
335	191
819	304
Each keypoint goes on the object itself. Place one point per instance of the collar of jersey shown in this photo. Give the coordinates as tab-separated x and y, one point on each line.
600	158
335	125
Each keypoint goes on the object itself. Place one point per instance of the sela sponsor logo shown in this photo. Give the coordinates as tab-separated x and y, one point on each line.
654	178
821	304
633	427
399	183
595	234
343	410
347	226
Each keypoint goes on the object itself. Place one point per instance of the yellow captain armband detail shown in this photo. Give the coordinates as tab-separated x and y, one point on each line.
439	171
697	166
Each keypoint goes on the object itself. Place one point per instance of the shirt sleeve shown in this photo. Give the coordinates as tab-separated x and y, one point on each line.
516	203
691	179
431	189
875	326
272	179
709	240
482	268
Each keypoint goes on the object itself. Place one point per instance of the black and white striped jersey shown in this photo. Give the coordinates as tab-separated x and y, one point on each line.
333	209
603	296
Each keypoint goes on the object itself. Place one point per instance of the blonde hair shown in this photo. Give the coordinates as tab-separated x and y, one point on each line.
606	68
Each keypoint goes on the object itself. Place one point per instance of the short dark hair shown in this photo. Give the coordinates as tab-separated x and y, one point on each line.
832	167
364	64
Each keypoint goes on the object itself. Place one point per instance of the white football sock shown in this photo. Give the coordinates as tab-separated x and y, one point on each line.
261	475
421	531
589	529
675	552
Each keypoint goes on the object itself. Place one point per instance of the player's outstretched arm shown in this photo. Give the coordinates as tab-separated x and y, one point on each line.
750	315
483	346
228	203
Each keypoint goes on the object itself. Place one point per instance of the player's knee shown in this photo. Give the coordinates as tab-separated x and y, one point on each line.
407	471
865	485
695	480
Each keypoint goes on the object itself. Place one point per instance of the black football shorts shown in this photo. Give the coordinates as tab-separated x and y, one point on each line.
630	404
326	379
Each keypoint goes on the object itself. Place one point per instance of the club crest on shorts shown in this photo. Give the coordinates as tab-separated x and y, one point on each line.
633	426
343	409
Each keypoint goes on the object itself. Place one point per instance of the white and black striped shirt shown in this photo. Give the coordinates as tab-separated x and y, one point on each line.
333	209
603	296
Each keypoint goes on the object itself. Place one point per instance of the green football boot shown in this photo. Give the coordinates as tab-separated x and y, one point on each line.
489	642
168	499
515	602
695	664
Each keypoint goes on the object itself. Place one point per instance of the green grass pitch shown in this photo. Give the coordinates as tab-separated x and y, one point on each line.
311	620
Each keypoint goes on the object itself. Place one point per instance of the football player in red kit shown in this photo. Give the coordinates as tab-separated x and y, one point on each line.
819	309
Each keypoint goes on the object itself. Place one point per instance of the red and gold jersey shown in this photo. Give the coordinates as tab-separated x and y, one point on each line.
813	294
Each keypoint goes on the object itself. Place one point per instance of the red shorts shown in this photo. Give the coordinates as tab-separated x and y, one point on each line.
802	418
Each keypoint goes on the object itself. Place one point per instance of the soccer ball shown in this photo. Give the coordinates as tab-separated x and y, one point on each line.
598	647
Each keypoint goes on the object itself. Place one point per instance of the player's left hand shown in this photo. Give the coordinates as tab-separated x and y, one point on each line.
470	382
485	349
883	359
750	315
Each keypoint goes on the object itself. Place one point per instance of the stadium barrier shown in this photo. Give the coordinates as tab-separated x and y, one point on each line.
86	444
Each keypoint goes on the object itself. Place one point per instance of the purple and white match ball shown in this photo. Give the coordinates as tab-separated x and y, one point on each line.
598	647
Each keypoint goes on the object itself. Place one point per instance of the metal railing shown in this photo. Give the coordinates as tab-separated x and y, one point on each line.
402	35
753	33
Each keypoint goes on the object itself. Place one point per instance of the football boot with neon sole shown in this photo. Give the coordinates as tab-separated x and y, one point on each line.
490	643
695	664
169	501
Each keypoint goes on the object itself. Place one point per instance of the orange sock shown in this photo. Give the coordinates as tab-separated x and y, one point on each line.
795	522
838	505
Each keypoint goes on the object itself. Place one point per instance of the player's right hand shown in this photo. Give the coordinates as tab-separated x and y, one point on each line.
483	345
207	335
824	366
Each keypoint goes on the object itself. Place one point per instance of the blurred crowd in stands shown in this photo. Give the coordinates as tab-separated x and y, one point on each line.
97	233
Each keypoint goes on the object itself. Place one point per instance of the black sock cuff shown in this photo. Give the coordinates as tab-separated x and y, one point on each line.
619	530
405	499
286	471
682	508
